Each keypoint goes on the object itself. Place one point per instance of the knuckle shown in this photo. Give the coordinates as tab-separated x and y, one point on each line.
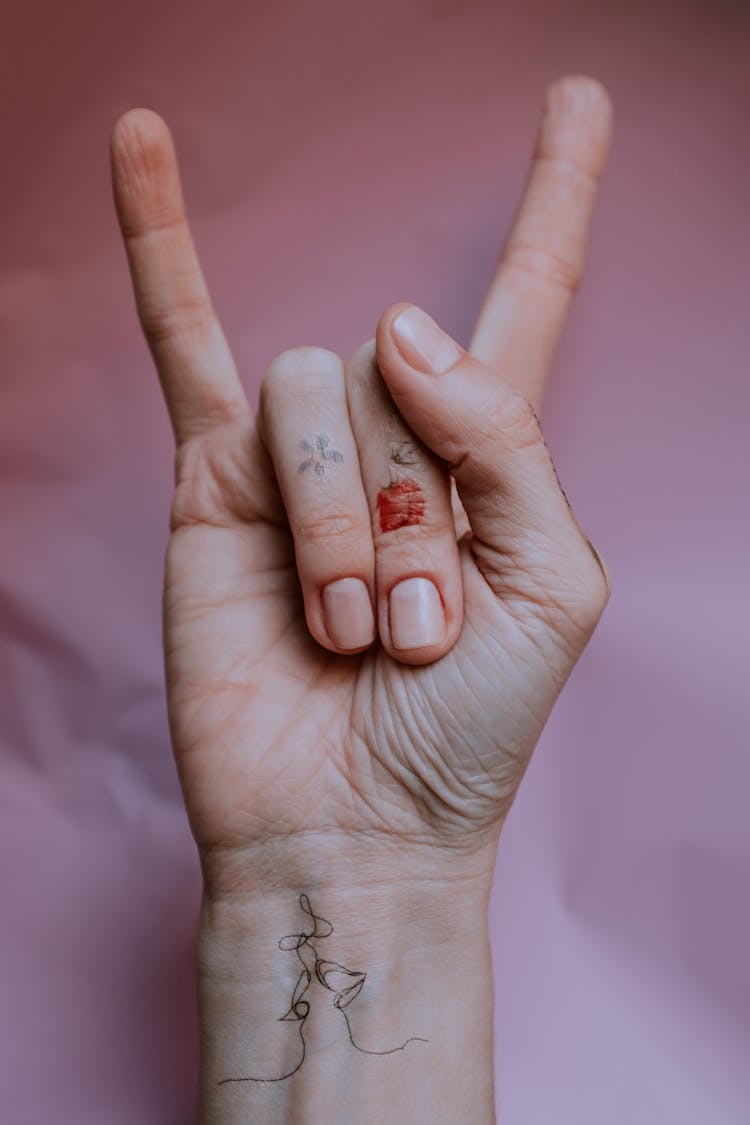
401	552
514	417
591	594
544	264
414	551
570	612
594	598
320	525
191	318
412	543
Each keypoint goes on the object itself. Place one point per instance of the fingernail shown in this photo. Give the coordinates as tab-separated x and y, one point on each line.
422	344
347	610
416	614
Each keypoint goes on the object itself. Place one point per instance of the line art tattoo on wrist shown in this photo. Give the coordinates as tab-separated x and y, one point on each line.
318	452
345	984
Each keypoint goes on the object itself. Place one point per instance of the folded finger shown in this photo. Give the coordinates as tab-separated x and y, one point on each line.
305	426
417	570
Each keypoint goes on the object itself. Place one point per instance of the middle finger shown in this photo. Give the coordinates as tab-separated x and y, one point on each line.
417	569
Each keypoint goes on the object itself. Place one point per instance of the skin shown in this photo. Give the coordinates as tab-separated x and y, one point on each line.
304	765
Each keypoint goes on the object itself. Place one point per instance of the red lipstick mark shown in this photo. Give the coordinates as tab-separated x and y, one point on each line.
401	504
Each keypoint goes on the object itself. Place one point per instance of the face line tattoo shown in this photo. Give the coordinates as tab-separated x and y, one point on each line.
299	1008
318	452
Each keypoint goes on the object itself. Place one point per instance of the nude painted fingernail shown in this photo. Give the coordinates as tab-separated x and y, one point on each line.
416	614
348	613
422	344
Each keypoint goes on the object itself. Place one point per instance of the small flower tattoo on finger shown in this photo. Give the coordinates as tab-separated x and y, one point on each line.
319	451
403	453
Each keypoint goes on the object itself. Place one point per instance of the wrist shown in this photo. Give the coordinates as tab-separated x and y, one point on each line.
378	956
392	908
342	861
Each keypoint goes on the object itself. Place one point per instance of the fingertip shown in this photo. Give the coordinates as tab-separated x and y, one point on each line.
413	338
385	323
294	367
304	360
577	121
419	621
140	132
145	177
580	94
347	615
393	311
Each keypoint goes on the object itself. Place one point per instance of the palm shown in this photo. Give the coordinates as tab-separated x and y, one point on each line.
274	733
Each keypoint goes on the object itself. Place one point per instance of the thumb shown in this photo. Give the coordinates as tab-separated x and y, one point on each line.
525	537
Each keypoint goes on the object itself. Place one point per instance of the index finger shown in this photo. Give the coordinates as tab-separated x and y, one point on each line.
195	366
541	264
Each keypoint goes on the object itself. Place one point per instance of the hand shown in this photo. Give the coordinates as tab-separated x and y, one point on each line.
275	733
348	744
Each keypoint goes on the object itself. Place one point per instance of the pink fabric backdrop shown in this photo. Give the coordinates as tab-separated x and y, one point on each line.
336	157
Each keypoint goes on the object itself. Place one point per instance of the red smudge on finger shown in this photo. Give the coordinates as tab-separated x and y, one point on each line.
401	504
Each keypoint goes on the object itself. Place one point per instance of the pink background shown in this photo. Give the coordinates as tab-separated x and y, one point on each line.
336	157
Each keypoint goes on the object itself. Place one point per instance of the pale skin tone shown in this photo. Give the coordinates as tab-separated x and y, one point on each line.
337	734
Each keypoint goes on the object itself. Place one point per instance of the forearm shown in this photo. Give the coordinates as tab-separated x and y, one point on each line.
389	1015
